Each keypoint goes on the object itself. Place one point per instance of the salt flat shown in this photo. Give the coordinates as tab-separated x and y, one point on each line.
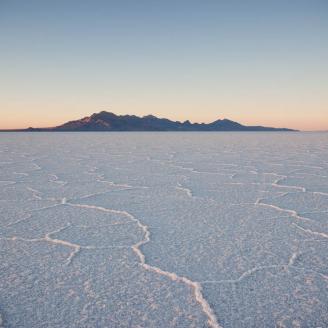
164	230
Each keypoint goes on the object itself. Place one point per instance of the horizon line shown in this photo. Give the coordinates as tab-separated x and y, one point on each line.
25	129
22	129
144	116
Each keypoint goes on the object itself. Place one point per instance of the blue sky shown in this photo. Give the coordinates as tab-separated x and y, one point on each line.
256	62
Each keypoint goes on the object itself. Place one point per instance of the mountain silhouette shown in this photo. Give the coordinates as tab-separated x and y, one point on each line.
107	121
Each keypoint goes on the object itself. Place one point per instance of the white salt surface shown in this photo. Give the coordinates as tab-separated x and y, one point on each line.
163	230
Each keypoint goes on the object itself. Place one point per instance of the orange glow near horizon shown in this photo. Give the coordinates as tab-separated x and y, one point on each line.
50	116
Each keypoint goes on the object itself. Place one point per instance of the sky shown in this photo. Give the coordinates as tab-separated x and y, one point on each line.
258	62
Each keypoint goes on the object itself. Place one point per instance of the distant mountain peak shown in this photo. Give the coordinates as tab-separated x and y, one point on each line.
108	121
150	116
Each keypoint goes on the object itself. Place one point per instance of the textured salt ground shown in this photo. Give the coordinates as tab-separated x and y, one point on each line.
163	230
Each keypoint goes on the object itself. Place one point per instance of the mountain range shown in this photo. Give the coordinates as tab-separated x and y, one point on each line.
107	121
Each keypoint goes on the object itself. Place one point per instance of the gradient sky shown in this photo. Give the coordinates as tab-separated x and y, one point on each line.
256	62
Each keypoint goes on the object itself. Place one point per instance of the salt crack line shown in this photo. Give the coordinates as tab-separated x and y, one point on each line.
320	193
45	207
113	184
250	272
193	170
184	189
308	166
76	248
37	167
293	258
57	180
316	233
29	216
120	185
292	213
6	183
284	177
49	239
310	174
21	173
244	275
196	286
274	184
36	193
302	189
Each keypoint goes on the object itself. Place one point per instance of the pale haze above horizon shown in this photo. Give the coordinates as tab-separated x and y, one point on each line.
254	62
